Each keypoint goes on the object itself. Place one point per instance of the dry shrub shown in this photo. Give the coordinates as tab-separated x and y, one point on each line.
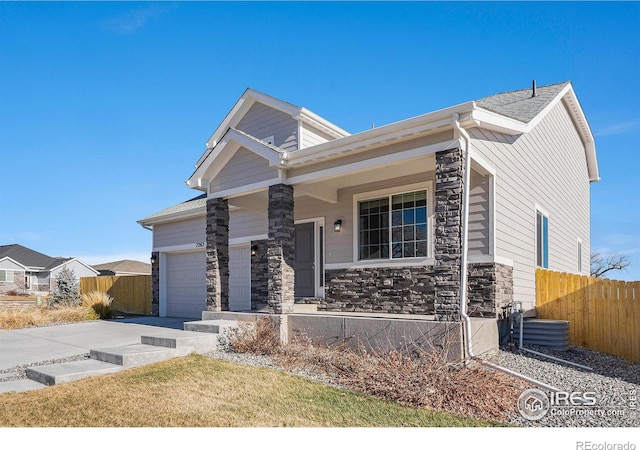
259	337
423	379
100	302
23	317
420	379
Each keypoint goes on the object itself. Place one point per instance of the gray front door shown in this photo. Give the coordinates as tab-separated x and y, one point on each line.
305	284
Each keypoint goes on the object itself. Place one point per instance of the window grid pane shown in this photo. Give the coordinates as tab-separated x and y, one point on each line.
404	216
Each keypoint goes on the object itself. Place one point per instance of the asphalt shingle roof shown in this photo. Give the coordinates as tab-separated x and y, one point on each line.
195	203
126	266
520	105
25	256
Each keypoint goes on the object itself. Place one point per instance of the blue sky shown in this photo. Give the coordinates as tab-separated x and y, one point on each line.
105	107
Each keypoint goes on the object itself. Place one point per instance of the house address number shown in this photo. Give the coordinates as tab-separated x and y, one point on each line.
199	244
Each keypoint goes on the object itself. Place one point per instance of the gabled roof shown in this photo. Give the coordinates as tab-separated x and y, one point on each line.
251	96
184	209
25	256
521	105
56	262
125	266
59	262
225	149
513	113
7	258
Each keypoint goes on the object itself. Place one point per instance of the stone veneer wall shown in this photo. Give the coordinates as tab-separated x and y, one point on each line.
259	273
281	249
489	288
411	290
217	259
155	284
448	233
407	290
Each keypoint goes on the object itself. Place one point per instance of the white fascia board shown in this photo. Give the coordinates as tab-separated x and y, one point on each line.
360	166
377	135
496	122
580	121
77	260
321	123
248	98
224	151
172	217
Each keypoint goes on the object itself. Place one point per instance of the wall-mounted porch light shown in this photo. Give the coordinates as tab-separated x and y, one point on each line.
254	250
153	258
337	226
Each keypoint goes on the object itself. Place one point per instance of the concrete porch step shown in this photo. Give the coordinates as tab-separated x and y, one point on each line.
217	326
20	386
195	341
137	354
71	371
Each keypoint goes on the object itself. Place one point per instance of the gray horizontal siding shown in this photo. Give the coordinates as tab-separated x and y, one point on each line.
182	232
479	215
244	168
546	167
262	121
244	222
339	246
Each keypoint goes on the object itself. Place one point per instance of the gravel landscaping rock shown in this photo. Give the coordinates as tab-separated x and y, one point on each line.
614	381
20	372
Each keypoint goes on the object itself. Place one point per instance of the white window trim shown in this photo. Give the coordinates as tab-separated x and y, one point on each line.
372	195
544	212
5	275
579	255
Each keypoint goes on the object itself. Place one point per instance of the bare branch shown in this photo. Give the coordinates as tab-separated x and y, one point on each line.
601	264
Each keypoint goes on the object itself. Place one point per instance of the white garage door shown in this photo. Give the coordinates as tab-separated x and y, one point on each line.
186	285
240	279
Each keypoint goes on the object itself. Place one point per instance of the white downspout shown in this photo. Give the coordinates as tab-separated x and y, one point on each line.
463	264
465	234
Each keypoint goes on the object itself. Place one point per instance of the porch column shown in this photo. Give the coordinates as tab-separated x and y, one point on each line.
448	233
281	249
217	254
155	283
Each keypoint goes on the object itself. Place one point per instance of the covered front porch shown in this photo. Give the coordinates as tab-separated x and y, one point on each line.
380	236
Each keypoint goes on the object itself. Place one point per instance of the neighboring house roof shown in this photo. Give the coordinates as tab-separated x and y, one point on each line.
25	256
126	266
6	258
56	262
59	262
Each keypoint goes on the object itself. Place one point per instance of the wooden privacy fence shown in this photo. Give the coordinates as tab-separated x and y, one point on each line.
603	314
131	294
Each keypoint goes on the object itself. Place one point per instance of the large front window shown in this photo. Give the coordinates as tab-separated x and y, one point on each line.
6	276
394	226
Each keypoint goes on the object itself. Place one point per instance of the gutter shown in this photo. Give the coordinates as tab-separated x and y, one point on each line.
466	336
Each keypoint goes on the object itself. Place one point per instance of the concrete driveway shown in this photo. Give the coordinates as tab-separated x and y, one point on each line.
32	345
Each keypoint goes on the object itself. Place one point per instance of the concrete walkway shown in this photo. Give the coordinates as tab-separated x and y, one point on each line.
32	345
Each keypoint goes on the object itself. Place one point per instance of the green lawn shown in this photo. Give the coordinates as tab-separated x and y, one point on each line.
196	391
